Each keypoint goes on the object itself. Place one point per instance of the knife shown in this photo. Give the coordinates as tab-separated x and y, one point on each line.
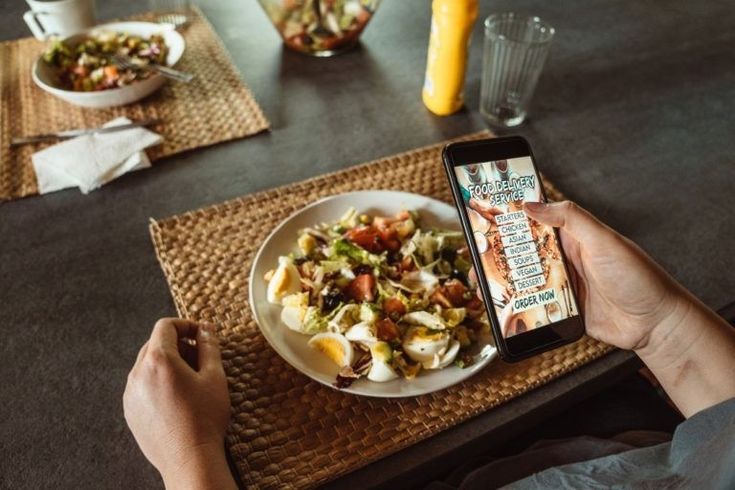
72	133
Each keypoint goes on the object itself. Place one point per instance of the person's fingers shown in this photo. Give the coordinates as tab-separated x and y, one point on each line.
579	287
575	267
505	317
141	354
472	275
572	251
210	360
167	331
189	353
568	216
582	292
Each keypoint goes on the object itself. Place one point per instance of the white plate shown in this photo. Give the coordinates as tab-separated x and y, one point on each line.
44	77
292	346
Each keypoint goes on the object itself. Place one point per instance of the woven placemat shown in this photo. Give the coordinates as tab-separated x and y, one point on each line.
288	431
216	106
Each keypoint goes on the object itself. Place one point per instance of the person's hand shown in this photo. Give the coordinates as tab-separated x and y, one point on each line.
177	405
630	302
623	294
484	209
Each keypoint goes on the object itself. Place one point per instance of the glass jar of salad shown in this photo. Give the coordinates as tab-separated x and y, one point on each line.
320	27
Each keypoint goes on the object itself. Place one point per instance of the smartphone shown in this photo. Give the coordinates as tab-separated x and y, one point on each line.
521	269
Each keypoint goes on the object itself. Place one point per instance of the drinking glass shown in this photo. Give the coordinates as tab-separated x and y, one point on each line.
515	51
171	11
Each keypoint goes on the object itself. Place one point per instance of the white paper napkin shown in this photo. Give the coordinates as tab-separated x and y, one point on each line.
91	161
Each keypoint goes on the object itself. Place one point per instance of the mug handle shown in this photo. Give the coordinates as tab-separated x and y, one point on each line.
34	24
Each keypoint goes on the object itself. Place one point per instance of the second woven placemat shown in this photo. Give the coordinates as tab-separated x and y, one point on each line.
288	431
216	106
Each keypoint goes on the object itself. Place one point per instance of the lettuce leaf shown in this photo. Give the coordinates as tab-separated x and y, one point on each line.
314	321
344	248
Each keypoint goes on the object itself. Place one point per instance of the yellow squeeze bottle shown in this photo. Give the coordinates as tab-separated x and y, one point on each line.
451	27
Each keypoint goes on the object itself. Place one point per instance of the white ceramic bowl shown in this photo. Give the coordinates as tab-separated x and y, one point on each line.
44	77
293	347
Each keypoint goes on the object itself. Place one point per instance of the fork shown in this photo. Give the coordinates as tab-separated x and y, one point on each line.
126	62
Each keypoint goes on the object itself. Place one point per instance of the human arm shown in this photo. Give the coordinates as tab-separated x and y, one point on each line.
177	405
631	302
484	209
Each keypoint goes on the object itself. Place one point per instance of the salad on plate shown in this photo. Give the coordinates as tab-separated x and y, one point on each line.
380	296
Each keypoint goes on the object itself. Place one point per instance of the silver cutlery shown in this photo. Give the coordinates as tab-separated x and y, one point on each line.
554	310
128	63
73	133
567	299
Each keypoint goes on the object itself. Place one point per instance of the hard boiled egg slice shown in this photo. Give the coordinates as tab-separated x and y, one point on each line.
295	307
422	344
363	332
441	361
285	281
381	370
293	317
424	318
335	346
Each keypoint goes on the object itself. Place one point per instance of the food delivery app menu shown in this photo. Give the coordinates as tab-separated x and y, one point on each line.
520	257
520	251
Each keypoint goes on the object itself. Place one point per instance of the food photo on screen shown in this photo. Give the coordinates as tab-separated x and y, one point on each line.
520	257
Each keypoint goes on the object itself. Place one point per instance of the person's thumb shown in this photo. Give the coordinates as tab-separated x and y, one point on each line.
566	215
210	359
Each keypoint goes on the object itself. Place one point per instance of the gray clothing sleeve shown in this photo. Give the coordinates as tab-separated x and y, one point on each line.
701	454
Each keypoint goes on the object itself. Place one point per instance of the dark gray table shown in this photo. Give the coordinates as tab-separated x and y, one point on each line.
633	118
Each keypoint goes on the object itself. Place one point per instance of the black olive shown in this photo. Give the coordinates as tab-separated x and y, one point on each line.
460	276
332	300
362	269
449	254
300	260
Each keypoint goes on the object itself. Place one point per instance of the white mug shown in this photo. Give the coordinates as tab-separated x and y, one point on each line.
59	17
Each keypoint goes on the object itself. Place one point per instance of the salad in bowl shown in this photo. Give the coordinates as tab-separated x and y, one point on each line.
382	297
88	66
81	70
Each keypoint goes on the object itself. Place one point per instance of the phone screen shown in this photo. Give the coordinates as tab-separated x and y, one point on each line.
520	257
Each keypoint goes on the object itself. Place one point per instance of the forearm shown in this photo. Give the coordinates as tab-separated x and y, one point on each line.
203	469
692	354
